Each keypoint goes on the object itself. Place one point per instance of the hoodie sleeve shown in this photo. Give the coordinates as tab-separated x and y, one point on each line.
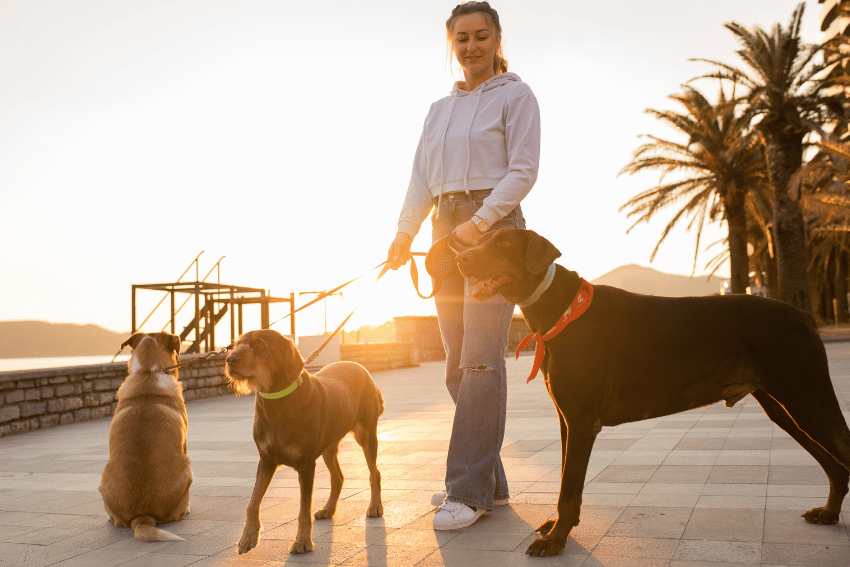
417	202
522	139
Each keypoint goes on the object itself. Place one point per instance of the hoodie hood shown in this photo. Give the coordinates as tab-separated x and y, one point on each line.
493	82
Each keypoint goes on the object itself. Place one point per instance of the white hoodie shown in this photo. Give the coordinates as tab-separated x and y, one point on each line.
485	139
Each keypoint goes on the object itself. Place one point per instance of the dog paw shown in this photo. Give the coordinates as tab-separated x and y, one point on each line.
545	547
375	511
545	527
821	516
323	514
250	539
301	547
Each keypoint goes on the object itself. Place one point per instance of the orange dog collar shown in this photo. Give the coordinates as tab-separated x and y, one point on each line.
579	305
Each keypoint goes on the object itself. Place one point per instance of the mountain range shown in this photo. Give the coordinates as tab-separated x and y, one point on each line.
36	339
640	279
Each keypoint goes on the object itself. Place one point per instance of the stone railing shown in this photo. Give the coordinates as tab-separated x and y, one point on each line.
380	356
36	399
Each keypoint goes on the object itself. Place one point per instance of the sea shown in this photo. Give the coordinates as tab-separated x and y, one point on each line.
8	364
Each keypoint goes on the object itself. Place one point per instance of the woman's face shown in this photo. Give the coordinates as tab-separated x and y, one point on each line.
474	43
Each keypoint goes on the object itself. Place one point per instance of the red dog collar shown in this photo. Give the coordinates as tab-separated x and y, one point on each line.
577	307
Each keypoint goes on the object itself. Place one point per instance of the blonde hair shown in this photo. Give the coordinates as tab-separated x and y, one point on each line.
500	64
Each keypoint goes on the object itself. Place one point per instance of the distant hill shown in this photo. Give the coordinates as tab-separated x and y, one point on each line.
640	279
36	339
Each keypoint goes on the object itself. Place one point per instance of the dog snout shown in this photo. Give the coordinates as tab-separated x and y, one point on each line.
232	359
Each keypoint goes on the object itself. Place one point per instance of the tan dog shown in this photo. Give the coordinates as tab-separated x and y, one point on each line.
146	480
297	418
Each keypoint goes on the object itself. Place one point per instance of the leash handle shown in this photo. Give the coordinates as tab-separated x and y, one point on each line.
414	276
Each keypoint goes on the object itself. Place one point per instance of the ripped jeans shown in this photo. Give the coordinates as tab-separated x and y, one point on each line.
475	337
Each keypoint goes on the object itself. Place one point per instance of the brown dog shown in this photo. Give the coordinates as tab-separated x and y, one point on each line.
631	357
297	418
146	480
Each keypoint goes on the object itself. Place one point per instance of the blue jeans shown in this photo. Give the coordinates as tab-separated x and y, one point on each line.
475	335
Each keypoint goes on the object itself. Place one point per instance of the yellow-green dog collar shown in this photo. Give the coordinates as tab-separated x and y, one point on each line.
283	393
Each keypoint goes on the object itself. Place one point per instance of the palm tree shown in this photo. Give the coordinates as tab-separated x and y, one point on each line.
784	91
825	184
718	165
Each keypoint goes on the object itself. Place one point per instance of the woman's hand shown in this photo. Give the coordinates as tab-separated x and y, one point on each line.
468	234
399	252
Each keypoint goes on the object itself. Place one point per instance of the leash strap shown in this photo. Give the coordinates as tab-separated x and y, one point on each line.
325	294
200	358
414	276
578	306
318	351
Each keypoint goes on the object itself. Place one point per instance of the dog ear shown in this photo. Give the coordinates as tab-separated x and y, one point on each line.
174	344
286	358
294	361
133	341
539	253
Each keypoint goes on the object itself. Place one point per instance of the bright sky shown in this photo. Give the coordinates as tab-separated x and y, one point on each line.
135	134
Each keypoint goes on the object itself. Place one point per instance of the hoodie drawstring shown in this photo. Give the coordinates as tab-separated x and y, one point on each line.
469	140
442	156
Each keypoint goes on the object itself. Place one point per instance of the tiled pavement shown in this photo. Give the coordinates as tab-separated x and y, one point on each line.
708	487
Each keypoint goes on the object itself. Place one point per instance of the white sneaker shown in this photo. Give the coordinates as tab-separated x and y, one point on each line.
454	515
439	497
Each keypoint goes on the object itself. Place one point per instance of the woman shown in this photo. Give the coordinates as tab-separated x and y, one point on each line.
477	159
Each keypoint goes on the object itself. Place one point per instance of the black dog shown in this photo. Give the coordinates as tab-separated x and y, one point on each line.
631	357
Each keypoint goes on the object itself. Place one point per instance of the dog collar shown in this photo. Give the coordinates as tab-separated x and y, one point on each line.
541	289
283	393
579	305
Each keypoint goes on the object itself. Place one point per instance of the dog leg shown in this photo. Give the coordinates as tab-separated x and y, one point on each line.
303	539
331	457
367	438
836	473
576	444
546	527
251	533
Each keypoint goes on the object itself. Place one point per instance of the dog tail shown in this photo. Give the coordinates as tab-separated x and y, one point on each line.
144	529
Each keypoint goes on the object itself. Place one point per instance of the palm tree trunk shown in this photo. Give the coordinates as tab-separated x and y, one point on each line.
818	303
772	278
841	314
784	154
736	219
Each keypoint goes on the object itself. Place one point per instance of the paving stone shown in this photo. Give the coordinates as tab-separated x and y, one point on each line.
797	554
651	522
636	547
725	524
725	551
782	526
